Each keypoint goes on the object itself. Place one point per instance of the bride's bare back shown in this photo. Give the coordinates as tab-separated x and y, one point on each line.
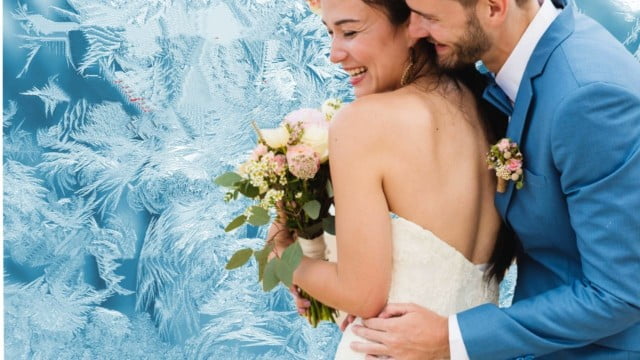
419	154
427	151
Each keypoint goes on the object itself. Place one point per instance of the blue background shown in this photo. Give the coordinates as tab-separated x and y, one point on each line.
117	115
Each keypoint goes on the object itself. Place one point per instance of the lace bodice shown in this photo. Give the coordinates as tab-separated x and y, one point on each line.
431	273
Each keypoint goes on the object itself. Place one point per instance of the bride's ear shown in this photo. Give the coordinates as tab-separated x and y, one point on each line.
410	39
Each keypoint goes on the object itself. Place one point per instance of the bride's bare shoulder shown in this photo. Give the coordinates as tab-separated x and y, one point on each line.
377	114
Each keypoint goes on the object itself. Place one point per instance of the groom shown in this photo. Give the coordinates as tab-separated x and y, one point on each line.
573	94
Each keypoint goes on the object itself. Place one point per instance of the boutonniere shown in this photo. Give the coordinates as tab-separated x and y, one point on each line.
505	157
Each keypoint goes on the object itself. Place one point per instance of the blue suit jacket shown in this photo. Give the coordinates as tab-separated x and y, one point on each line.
577	121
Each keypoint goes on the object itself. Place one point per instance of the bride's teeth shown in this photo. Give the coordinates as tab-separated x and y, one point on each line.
357	71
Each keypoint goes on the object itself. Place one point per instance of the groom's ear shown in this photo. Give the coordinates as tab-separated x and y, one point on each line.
493	12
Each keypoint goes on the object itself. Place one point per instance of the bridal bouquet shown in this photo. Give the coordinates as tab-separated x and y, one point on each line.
287	174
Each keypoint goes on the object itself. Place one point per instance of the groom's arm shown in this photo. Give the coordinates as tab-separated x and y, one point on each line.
595	141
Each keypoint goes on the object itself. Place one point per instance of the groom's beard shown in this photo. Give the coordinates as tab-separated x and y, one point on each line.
469	48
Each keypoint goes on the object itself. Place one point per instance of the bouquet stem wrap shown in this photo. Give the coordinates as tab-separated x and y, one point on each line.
315	248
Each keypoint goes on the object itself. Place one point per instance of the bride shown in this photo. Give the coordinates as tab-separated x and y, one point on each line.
412	144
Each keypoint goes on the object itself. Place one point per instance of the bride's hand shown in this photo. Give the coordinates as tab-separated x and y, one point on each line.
302	304
280	237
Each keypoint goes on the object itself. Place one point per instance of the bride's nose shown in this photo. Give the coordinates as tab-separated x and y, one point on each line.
337	53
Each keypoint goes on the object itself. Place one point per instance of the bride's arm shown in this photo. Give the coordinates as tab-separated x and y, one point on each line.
359	282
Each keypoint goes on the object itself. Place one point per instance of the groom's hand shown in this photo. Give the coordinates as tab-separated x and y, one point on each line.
405	331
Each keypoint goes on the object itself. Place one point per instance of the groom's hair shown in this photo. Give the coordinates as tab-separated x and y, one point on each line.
469	3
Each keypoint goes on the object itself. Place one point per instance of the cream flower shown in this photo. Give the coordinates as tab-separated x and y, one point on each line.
330	107
275	138
317	138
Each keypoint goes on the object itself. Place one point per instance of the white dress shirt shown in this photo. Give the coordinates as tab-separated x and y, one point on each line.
509	78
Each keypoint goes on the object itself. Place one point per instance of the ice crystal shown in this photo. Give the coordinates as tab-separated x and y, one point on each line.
113	229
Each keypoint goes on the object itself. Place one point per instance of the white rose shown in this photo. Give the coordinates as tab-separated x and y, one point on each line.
275	138
317	138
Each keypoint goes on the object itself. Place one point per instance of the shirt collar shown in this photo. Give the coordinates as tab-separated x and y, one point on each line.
511	73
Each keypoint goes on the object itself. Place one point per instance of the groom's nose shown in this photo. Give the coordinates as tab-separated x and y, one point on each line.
418	26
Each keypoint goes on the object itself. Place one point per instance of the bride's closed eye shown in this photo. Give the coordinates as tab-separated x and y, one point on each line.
349	34
346	34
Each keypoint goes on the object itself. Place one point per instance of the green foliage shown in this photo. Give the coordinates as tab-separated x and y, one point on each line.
239	258
259	216
329	224
329	189
237	222
270	279
312	208
228	179
262	257
245	188
288	263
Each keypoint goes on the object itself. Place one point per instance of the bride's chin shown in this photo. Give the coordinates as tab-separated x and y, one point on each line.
360	91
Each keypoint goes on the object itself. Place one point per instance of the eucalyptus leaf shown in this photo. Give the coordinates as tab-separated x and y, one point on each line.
228	179
259	216
284	271
270	279
261	257
292	255
248	190
239	258
329	189
312	208
237	222
329	224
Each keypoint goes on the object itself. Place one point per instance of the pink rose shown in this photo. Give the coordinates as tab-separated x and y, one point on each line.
306	117
303	162
514	164
503	145
281	163
259	151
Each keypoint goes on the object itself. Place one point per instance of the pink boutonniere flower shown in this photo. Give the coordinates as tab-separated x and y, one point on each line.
506	159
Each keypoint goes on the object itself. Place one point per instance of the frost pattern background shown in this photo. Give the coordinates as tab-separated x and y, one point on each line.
117	115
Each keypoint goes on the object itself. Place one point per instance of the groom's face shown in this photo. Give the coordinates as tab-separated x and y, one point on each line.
455	31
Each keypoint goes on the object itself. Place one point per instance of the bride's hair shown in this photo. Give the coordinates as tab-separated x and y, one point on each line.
494	122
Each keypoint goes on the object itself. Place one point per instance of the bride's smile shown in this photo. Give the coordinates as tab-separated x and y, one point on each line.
369	48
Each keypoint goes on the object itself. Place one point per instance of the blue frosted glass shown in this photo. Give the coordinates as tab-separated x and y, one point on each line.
117	115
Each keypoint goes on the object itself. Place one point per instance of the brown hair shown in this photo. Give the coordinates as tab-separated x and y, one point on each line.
423	53
468	3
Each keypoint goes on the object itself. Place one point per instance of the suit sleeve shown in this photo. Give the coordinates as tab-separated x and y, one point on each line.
595	140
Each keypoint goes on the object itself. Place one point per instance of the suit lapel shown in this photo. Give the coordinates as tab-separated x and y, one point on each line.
553	37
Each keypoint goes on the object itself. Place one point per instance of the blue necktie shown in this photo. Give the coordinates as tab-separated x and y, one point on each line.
494	95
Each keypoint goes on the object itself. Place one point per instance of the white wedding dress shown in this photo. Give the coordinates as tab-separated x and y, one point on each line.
428	272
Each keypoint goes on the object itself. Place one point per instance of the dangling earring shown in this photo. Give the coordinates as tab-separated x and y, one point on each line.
404	80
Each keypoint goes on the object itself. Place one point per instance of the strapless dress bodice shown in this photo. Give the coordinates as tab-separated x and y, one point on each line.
429	272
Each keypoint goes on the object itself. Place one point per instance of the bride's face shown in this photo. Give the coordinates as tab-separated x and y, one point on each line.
370	49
